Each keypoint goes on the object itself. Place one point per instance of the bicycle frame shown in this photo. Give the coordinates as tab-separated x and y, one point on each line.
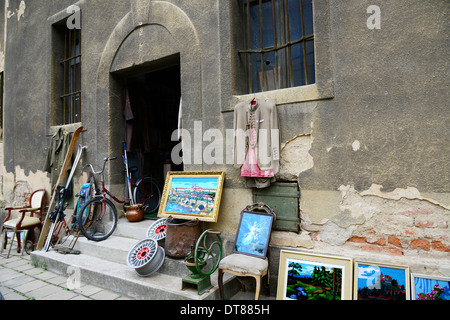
104	191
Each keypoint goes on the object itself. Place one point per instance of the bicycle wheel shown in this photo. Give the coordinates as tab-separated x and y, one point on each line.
97	219
148	193
86	193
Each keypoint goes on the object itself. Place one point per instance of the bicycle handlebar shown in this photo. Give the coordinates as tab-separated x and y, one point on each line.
104	164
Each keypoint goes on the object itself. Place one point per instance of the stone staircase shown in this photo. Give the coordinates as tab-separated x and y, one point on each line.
103	264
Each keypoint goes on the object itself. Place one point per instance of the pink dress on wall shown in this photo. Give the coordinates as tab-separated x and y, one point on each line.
250	167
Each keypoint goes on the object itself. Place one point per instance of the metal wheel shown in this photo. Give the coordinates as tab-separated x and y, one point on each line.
97	219
207	253
146	257
158	229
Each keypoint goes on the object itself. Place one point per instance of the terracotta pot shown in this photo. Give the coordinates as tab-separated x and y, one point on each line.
134	213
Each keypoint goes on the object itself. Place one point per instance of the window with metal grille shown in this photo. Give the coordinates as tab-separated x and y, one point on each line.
71	97
279	41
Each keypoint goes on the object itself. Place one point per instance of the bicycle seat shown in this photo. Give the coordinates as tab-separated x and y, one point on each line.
133	169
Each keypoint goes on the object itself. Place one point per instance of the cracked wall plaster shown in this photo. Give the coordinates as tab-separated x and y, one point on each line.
364	204
17	186
295	157
402	212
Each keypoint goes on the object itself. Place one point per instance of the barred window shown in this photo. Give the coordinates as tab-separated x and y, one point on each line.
279	41
71	97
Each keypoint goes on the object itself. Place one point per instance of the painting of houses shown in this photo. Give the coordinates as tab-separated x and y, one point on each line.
192	195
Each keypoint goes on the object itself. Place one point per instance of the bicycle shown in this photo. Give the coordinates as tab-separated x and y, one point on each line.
146	190
97	219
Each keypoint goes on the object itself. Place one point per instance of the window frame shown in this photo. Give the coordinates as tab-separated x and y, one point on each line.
281	47
57	24
71	63
322	89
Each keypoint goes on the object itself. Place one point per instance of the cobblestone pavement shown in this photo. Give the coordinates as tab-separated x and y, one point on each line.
21	280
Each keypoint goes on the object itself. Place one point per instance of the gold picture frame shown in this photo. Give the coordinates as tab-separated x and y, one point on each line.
305	276
192	195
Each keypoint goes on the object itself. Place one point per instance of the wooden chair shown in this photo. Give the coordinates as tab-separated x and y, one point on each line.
24	222
243	265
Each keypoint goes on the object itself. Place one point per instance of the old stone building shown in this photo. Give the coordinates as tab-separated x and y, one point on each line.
361	89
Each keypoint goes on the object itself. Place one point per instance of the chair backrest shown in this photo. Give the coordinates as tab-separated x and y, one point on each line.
37	199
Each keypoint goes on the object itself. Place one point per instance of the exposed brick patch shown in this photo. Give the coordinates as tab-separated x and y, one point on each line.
391	251
357	239
394	251
424	224
439	246
421	244
395	241
378	241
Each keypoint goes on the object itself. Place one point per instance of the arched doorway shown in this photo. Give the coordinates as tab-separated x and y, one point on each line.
162	45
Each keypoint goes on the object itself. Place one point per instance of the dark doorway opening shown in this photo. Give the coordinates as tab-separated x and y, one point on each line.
151	118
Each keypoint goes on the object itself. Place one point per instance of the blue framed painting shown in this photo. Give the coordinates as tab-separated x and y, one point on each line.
426	287
374	281
253	234
192	195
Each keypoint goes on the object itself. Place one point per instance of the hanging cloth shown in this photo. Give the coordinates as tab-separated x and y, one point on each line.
59	145
257	131
129	117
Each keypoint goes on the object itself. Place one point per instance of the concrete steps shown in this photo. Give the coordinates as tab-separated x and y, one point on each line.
104	264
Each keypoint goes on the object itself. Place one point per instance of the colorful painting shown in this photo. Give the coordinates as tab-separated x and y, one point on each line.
192	195
254	233
307	281
426	287
313	277
381	282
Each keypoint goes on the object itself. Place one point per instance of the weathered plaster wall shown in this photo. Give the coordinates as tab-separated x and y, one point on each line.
376	184
367	144
2	68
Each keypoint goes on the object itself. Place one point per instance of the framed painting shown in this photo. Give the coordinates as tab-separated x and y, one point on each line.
307	276
192	195
375	281
253	234
426	287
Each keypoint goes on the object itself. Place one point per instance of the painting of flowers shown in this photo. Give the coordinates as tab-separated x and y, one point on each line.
381	282
430	288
